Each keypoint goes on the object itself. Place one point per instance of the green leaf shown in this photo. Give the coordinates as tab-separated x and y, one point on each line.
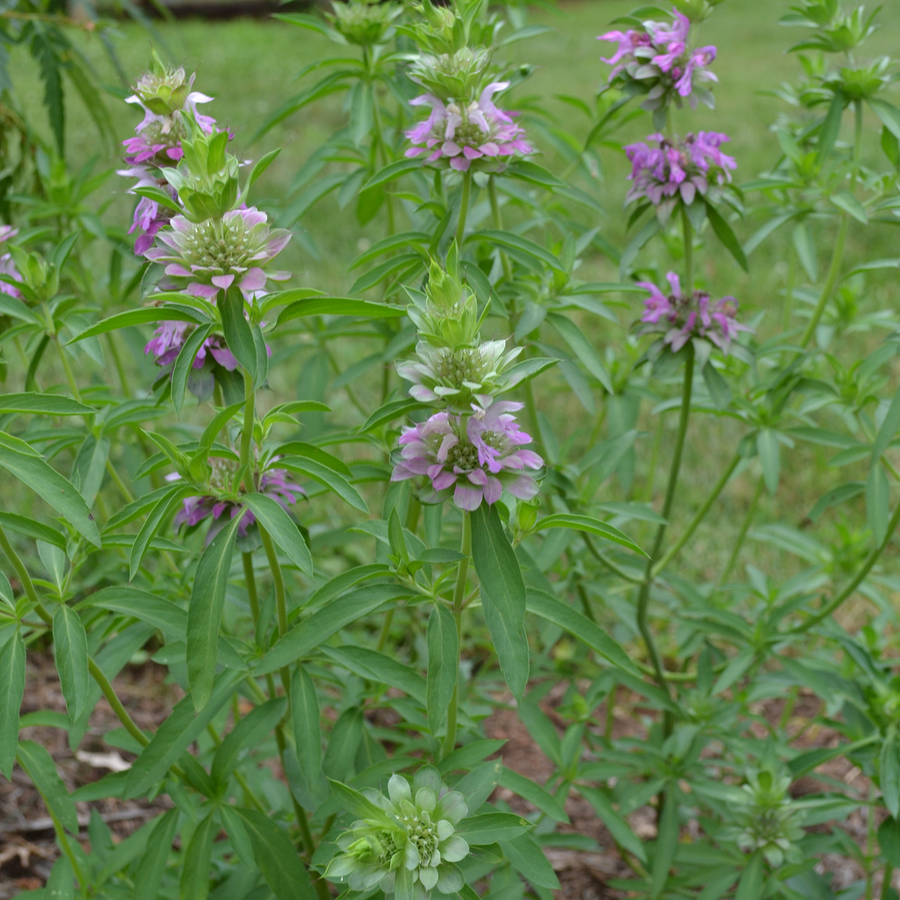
161	614
205	612
12	690
888	428
534	794
768	446
237	331
878	502
325	621
889	775
726	236
48	484
845	201
590	525
717	386
49	404
70	644
502	595
831	127
339	306
582	348
387	413
262	164
277	857
529	861
522	245
255	727
616	823
327	477
158	517
492	827
195	865
532	172
306	717
392	172
888	113
629	254
581	627
33	529
443	664
39	765
61	883
282	528
184	364
152	867
753	878
356	804
806	251
889	841
139	317
666	845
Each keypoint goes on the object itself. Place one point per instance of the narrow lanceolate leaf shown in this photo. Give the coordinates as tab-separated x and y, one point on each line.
153	862
70	643
502	595
152	524
888	428
878	502
307	725
582	348
61	883
205	612
831	126
195	865
616	823
750	887
48	484
443	664
256	726
12	689
49	404
151	314
666	845
339	306
726	236
590	525
889	775
283	530
185	362
41	769
276	857
238	334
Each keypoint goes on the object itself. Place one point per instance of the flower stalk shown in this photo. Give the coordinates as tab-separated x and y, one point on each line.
459	594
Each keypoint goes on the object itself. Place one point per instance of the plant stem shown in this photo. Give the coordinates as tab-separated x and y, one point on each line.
748	521
498	224
673	551
280	599
70	377
117	479
117	361
247	430
854	582
459	594
463	209
833	272
22	572
687	289
250	579
644	594
116	704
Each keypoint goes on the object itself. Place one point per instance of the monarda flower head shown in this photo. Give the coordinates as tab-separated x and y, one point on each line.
681	318
408	846
470	458
461	133
274	483
451	75
658	58
678	170
8	271
204	258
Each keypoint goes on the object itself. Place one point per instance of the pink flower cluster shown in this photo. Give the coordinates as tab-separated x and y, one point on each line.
273	483
169	338
466	133
680	318
7	266
478	456
658	56
679	169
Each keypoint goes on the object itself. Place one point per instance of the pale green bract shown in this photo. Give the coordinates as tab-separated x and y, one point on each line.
411	849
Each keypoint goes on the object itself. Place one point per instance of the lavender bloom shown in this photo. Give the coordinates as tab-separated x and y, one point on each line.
465	133
680	318
273	483
169	338
7	266
478	455
206	257
659	57
678	170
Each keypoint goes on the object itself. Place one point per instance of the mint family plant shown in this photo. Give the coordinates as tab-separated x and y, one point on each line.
435	543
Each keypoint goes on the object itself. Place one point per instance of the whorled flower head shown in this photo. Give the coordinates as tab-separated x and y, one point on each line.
274	483
477	456
206	257
409	848
459	377
679	170
659	57
449	75
680	318
460	134
362	22
7	266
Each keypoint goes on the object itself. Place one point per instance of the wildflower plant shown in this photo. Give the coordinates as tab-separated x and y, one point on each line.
512	471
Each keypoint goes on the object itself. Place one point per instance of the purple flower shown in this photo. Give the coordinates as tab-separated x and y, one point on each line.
204	258
478	456
680	318
158	137
465	133
677	170
273	483
658	56
7	266
169	338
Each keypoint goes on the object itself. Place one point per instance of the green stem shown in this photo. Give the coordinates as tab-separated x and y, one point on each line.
498	224
63	840
644	594
886	883
70	377
385	630
459	594
675	549
247	431
280	598
117	480
834	272
606	561
789	294
250	579
463	209
687	289
116	704
117	361
24	577
854	582
748	521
